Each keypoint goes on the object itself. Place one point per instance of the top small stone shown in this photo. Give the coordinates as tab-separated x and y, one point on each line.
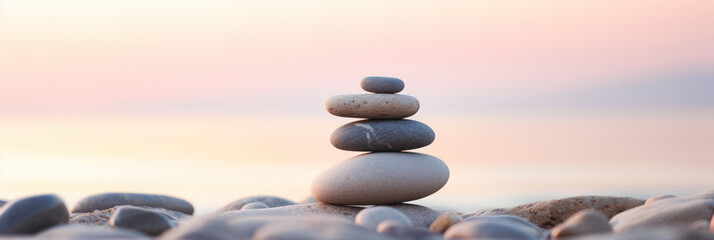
382	84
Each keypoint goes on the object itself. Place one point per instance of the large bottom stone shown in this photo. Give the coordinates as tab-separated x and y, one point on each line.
380	178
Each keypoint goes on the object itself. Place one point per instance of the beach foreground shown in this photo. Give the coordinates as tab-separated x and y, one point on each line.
149	216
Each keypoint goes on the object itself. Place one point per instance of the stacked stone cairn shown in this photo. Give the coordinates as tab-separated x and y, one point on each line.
386	174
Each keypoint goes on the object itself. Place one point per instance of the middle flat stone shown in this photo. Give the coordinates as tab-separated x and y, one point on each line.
374	106
382	135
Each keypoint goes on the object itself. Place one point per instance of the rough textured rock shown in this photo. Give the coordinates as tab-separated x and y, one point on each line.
485	229
582	223
309	228
666	233
677	211
445	221
373	106
32	214
399	230
270	201
380	178
382	84
143	220
100	218
420	216
382	135
254	205
108	200
547	214
81	232
371	217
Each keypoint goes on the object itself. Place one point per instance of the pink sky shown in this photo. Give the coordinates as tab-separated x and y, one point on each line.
89	55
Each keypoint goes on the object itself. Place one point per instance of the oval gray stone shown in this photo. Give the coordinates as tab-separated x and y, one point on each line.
108	200
382	84
382	135
143	220
32	214
380	178
374	106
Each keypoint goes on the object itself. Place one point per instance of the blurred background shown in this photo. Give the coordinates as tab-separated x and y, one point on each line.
212	101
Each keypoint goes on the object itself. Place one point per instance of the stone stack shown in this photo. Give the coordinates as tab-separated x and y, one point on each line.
386	174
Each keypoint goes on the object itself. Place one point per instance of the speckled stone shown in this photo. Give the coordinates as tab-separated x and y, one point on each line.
374	106
547	214
144	220
270	201
585	222
380	178
382	84
420	216
382	135
32	214
676	211
371	217
108	200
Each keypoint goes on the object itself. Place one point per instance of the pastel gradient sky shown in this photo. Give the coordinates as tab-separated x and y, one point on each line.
215	100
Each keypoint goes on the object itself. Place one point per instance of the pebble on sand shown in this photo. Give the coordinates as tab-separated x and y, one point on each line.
108	200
